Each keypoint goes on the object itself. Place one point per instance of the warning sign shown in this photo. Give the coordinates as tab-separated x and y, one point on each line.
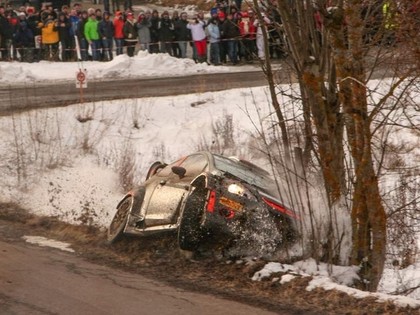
81	79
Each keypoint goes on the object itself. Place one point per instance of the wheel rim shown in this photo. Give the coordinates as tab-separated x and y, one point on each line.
120	216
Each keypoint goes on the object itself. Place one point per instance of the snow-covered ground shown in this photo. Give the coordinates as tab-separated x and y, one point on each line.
67	162
143	65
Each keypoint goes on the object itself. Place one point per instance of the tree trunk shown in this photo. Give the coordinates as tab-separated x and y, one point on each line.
368	215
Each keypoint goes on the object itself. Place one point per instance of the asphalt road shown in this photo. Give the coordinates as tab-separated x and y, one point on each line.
38	280
30	96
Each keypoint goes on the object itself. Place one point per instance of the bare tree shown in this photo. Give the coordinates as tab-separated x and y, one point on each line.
335	48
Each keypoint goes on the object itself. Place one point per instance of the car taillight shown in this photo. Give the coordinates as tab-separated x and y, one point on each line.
211	201
280	208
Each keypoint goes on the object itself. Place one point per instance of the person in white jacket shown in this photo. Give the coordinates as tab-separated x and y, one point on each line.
260	37
199	38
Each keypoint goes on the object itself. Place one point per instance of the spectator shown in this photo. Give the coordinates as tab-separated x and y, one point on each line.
199	37
248	32
74	20
143	31
6	34
230	33
33	20
106	33
166	33
83	44
260	37
63	28
175	47
14	25
154	32
130	34
65	10
92	35
50	37
98	13
24	39
119	33
223	44
182	34
78	7
214	39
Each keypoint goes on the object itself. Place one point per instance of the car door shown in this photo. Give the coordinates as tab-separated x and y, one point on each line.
165	201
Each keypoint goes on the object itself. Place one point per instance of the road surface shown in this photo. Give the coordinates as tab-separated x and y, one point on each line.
30	96
38	280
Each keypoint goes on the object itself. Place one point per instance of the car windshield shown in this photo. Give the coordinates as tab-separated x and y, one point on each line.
246	172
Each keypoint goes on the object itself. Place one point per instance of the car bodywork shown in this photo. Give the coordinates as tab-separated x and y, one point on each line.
199	193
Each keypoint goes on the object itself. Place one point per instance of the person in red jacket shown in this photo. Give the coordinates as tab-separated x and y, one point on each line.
119	33
248	31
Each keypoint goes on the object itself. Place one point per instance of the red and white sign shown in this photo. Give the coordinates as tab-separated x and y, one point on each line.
81	79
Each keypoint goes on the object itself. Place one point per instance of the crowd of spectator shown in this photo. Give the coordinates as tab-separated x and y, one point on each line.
70	33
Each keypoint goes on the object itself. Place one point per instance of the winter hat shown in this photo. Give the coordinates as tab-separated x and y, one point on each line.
21	14
30	10
213	11
130	14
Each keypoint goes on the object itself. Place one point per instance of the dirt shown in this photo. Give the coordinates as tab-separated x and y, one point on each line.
209	272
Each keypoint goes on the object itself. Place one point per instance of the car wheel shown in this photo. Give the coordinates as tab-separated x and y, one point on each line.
116	228
286	228
189	230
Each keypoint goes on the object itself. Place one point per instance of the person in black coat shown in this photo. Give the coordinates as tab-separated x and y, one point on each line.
230	32
6	34
33	20
63	28
154	32
182	34
106	33
80	32
166	33
24	39
130	34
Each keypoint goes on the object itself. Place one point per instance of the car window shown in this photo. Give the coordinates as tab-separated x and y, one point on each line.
167	171
194	164
244	171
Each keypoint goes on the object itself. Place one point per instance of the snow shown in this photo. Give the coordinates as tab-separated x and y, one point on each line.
56	165
46	242
143	65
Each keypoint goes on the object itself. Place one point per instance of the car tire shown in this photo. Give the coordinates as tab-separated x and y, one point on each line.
119	221
189	230
287	229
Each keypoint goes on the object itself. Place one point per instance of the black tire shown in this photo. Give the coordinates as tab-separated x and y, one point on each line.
190	231
287	229
116	228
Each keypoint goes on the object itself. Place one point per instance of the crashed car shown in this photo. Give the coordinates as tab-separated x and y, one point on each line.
197	195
